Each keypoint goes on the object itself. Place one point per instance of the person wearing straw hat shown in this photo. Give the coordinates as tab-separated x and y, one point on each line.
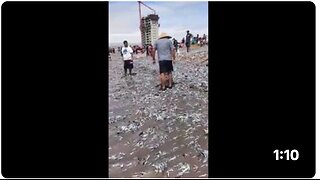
166	54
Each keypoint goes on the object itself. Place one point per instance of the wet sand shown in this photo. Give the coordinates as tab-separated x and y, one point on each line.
156	133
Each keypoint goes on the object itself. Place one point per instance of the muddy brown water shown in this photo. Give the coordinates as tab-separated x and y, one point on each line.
167	138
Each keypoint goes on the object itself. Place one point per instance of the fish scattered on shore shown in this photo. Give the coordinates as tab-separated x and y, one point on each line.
159	134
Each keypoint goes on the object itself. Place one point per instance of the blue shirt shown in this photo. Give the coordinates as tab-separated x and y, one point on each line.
164	48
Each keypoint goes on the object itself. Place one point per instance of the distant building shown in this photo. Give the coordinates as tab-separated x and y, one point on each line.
149	29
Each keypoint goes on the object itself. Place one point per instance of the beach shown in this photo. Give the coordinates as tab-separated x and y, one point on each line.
156	133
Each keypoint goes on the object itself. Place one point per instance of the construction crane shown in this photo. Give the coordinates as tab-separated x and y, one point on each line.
139	2
140	16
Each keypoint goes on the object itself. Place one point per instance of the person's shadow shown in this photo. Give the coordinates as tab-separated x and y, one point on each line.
129	82
132	74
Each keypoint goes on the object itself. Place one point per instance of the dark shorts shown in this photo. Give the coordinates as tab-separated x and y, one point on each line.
165	66
128	64
188	44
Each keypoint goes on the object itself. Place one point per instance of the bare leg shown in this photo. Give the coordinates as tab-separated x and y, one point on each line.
166	79
170	79
162	80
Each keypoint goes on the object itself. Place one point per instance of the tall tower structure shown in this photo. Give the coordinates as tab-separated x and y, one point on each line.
149	26
150	29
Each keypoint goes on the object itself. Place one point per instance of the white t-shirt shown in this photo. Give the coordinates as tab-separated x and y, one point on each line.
126	52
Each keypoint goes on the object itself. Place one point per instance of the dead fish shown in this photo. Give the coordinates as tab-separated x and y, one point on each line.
160	153
204	153
153	147
117	157
189	129
168	172
191	143
160	167
173	158
138	112
118	165
174	149
195	167
139	144
189	137
159	118
129	164
184	168
204	165
174	138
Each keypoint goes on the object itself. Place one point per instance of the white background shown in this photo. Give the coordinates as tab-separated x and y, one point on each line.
317	4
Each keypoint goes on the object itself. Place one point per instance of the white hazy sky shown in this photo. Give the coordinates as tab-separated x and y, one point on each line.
175	19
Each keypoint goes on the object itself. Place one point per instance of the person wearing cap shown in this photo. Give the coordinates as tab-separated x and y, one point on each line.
127	55
188	40
166	54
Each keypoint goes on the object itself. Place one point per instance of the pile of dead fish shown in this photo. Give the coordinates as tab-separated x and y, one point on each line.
196	56
162	132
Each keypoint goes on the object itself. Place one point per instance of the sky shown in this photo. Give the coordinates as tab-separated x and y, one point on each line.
175	19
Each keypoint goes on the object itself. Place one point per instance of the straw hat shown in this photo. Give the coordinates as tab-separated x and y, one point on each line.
164	35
